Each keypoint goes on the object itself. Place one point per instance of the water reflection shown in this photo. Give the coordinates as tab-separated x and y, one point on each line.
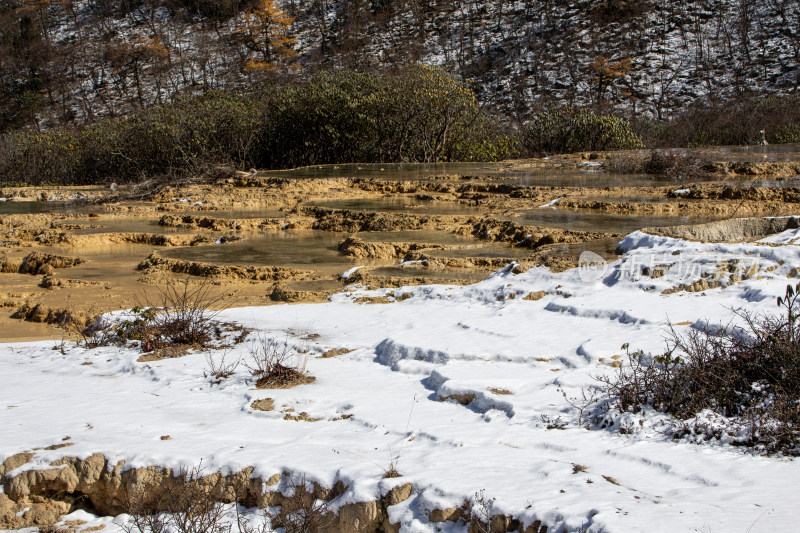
581	220
24	208
407	205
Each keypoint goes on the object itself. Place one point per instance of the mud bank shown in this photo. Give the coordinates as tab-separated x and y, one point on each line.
356	247
155	263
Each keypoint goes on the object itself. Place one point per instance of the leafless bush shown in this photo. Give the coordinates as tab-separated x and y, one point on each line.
676	165
584	404
480	515
185	311
749	375
669	163
187	507
181	313
98	333
303	512
623	162
274	363
481	512
221	369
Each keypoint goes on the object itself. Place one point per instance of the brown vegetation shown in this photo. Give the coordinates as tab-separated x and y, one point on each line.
749	375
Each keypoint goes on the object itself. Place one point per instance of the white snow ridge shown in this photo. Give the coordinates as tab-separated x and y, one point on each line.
479	384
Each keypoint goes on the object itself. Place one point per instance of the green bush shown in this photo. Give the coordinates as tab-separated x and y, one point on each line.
567	130
331	119
420	115
180	138
786	133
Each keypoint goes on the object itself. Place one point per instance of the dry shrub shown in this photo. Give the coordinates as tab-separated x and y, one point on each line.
676	165
624	162
275	364
302	511
620	11
185	311
221	369
481	517
187	507
192	505
181	313
737	121
748	375
481	511
669	163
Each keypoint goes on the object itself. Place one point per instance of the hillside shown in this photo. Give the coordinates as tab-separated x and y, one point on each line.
72	62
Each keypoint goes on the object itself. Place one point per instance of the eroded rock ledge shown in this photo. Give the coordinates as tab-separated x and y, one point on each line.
40	496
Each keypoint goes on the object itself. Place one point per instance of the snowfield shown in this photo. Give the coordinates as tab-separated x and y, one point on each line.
399	396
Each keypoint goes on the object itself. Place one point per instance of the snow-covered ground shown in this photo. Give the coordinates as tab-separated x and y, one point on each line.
515	356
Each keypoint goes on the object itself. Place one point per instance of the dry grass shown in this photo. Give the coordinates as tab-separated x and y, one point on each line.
275	364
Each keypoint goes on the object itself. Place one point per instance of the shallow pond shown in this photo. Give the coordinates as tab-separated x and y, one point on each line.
24	208
585	220
406	205
584	177
297	249
754	153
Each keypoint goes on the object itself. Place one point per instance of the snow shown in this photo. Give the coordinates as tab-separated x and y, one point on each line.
682	191
347	273
551	203
417	359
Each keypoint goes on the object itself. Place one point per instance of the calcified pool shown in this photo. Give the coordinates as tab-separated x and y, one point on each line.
413	224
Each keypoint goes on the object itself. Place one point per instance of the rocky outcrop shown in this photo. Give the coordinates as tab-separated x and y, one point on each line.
39	496
224	224
521	56
155	263
355	247
152	239
529	236
38	263
355	221
60	316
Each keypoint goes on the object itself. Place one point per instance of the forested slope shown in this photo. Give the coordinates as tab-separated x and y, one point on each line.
66	62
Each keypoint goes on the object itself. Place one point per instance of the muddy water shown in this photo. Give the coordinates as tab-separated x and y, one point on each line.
296	249
120	225
319	250
24	208
755	153
584	220
111	280
403	171
475	172
405	205
590	178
